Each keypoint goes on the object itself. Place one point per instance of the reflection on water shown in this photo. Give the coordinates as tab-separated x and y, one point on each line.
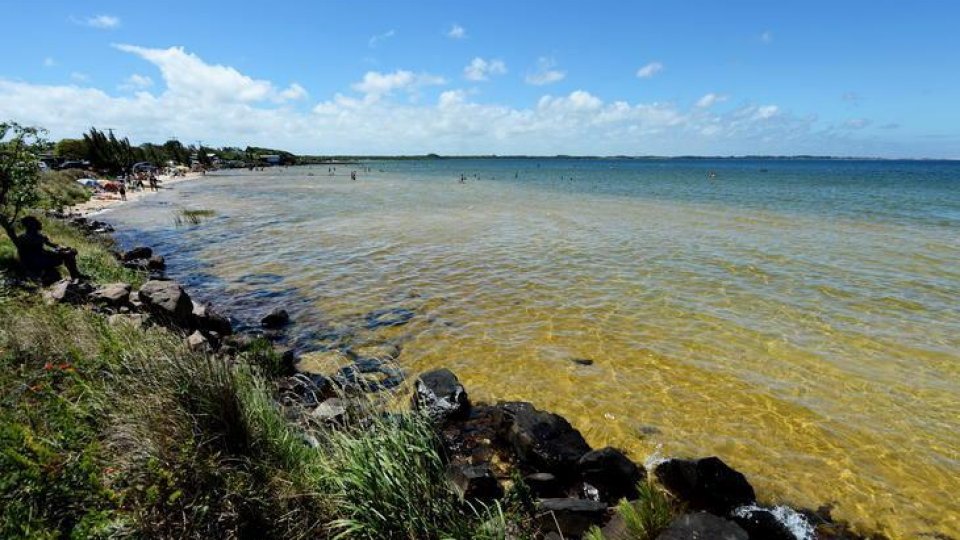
797	318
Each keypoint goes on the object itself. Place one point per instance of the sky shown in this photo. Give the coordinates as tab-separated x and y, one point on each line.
842	78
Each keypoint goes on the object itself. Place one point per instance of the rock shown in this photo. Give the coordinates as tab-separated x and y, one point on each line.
369	375
572	516
306	390
582	361
138	264
277	318
198	342
157	262
68	291
379	351
772	523
543	485
476	482
332	410
440	394
113	294
168	301
612	473
387	317
206	317
137	253
288	363
545	441
137	320
702	526
706	484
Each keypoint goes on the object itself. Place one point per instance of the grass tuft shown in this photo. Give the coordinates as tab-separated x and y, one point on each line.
644	518
185	217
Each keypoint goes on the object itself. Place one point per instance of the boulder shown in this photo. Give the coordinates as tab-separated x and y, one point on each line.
332	410
702	526
544	485
113	294
68	291
198	342
440	394
137	253
706	484
277	318
545	441
612	473
206	317
156	263
476	482
780	523
305	390
572	517
167	301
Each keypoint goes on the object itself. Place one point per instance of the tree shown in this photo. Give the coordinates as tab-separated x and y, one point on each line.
20	149
71	149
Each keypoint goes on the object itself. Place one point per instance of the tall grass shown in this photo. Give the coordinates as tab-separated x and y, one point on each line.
644	518
185	217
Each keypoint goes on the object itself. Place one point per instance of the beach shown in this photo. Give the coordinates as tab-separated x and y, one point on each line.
795	318
105	201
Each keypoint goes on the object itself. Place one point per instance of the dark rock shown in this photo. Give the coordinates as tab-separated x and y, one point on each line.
157	262
167	301
68	291
198	342
543	485
706	484
138	264
206	317
369	375
612	473
440	394
277	318
476	482
573	517
288	362
764	523
387	317
306	390
582	361
139	252
545	441
702	526
113	294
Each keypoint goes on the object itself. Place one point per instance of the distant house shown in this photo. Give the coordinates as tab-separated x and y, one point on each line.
270	159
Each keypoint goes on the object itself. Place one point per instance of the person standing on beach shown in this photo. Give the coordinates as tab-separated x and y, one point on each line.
123	190
353	175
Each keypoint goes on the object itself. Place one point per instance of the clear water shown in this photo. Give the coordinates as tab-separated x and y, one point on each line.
797	318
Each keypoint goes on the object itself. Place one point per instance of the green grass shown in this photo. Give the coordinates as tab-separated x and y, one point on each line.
644	518
60	188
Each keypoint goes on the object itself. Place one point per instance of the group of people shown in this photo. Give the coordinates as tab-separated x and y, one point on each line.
135	181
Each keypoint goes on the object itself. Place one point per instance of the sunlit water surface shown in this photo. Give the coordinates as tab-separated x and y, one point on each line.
797	318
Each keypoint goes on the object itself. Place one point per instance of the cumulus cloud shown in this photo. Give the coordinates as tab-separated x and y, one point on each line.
103	22
375	40
545	73
649	70
222	106
480	70
456	32
136	82
709	100
376	84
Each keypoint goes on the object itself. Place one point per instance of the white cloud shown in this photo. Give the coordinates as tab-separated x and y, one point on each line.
375	40
480	70
79	77
709	100
456	32
104	22
136	82
222	106
49	62
376	84
649	70
545	74
766	37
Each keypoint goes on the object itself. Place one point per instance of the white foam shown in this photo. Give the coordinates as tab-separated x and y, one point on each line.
794	521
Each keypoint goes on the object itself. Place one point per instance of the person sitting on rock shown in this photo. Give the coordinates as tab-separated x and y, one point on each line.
36	259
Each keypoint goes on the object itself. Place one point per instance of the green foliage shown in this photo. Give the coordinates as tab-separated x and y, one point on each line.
644	518
109	154
20	149
71	149
60	188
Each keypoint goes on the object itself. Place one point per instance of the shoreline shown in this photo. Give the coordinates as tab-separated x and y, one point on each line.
96	206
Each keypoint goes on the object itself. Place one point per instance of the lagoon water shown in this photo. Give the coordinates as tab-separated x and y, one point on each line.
798	318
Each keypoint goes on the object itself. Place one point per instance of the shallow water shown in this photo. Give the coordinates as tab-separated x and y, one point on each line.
797	318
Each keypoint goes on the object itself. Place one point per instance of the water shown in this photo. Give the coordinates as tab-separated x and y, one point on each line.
797	318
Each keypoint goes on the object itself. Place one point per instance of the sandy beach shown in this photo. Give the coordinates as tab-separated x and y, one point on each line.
101	202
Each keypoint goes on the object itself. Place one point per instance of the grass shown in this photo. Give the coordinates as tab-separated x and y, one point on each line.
185	217
644	518
114	431
60	188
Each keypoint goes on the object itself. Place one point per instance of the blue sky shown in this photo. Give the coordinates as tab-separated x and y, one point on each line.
868	78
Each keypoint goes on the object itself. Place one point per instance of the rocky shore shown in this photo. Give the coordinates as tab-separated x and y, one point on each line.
490	448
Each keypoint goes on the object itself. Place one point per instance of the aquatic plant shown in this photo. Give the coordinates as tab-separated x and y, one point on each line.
185	217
